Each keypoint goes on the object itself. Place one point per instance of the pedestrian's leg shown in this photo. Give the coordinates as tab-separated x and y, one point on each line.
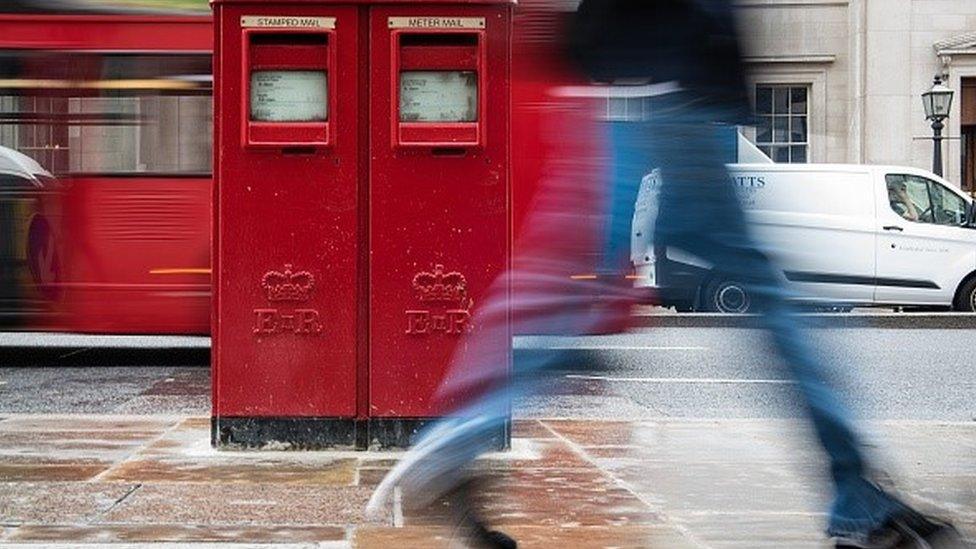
694	184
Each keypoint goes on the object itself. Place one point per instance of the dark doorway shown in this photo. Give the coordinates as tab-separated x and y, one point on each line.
968	135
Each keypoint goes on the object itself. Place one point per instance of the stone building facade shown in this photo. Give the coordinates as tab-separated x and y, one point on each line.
841	80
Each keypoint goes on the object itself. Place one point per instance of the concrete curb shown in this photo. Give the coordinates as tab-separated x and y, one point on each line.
62	340
897	321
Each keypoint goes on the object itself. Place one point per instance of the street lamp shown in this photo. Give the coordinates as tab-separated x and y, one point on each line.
937	102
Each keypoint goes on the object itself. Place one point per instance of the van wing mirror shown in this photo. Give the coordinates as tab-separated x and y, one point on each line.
971	215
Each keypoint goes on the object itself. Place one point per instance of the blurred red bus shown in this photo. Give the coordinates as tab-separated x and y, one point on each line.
118	107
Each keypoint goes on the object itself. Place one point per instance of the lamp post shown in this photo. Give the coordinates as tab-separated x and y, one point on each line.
937	102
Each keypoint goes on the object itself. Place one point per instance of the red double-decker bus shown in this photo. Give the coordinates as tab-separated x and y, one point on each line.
117	106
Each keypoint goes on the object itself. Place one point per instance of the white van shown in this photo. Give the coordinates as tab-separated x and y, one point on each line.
840	235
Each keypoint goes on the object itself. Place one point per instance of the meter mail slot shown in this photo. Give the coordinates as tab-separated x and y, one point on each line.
287	81
438	80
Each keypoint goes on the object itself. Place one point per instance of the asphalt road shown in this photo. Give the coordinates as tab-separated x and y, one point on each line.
723	373
662	372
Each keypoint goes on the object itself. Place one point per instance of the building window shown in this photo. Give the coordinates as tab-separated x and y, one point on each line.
783	132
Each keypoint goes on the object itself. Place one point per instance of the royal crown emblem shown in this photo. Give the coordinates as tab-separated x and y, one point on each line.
441	287
288	285
446	306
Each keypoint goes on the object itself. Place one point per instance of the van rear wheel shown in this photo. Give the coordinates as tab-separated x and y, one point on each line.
966	298
724	295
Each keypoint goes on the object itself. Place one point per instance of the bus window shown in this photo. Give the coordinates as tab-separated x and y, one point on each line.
129	114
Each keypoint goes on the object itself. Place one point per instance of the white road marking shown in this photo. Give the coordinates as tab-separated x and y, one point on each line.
684	380
397	507
607	348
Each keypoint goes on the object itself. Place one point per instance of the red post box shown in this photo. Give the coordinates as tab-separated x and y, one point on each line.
361	211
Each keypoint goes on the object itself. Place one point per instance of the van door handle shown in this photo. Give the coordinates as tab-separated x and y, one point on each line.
893	228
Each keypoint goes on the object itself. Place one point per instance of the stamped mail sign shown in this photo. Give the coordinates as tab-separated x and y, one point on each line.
287	22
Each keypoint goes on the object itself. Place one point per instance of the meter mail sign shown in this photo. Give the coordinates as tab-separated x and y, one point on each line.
437	22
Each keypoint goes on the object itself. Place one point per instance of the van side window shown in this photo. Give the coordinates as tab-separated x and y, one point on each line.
948	207
909	197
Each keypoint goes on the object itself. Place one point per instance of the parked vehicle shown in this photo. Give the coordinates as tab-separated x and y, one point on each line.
841	235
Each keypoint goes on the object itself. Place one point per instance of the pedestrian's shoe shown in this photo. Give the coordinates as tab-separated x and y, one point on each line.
924	532
907	530
884	537
480	537
470	525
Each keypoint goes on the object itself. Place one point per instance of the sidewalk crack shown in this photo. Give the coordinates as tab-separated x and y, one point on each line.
585	456
136	451
124	497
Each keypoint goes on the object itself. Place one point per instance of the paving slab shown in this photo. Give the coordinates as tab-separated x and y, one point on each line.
220	503
118	481
539	497
57	502
52	472
686	487
134	425
772	529
339	472
532	537
180	545
175	533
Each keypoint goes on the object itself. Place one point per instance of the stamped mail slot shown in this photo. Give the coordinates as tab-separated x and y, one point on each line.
289	96
288	86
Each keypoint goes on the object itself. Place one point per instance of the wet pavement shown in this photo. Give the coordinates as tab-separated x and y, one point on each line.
668	438
126	479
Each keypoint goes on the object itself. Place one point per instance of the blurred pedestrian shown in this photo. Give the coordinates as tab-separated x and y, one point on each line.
686	53
564	280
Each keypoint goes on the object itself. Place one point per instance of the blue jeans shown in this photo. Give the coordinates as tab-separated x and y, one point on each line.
699	213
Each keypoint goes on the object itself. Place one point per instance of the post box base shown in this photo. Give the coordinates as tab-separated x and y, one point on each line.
274	433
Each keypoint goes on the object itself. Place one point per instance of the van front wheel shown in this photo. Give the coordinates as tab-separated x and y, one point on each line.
727	296
966	298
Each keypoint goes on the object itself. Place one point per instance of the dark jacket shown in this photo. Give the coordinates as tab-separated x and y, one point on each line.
692	41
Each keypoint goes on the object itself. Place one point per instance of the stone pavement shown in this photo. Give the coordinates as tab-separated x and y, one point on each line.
122	481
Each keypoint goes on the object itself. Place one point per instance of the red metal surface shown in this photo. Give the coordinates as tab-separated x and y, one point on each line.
277	4
106	32
286	244
439	227
135	255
